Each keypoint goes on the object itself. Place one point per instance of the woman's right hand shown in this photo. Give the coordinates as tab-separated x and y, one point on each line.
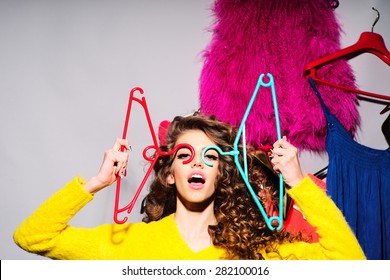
114	164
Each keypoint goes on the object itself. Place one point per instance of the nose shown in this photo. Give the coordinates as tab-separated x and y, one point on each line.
197	162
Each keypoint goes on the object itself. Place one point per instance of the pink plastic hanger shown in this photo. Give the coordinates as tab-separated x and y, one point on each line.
369	42
151	159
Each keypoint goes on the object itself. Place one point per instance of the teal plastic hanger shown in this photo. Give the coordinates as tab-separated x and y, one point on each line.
236	152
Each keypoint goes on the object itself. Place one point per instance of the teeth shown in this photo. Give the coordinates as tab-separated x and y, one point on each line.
197	178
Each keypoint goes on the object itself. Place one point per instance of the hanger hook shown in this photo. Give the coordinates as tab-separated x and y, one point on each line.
376	20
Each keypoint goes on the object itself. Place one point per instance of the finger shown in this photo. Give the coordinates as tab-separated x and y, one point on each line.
279	152
116	154
121	143
282	142
276	163
120	163
284	149
115	159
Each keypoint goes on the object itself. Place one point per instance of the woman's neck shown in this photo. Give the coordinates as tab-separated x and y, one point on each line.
193	226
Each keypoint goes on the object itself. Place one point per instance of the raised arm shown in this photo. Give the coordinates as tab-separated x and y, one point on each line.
336	239
47	232
114	164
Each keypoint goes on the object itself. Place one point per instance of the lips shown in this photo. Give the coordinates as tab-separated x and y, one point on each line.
196	180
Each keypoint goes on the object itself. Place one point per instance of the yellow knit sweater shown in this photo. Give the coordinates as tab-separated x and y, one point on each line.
47	232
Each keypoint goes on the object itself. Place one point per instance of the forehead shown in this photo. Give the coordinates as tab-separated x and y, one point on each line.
195	138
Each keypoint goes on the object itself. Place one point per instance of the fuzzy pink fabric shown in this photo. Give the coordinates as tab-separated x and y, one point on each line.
251	37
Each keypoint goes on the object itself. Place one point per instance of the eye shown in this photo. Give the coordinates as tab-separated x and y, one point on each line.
183	154
212	156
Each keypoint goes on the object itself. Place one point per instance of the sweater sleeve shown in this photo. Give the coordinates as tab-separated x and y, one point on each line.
336	239
47	227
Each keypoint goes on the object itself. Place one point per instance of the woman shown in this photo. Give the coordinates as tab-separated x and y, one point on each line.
193	210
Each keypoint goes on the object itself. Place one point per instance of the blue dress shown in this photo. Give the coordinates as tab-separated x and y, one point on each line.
358	181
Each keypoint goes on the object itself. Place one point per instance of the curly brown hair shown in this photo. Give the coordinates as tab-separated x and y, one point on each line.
240	230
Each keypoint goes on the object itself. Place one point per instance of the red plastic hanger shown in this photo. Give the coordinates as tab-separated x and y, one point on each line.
152	159
369	42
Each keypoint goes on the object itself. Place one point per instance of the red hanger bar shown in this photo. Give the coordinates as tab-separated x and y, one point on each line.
369	42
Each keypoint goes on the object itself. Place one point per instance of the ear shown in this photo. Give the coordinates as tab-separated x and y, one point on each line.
170	179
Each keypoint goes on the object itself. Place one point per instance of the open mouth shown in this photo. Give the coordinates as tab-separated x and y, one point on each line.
196	179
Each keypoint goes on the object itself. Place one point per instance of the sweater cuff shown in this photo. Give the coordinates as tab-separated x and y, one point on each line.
308	189
74	194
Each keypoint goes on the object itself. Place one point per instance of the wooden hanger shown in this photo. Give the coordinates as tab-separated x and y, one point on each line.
369	42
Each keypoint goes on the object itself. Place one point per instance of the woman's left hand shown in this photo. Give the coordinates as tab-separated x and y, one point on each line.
285	160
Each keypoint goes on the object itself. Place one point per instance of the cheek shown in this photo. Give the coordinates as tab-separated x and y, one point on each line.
216	173
219	170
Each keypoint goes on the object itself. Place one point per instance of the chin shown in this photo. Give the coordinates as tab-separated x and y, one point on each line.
197	202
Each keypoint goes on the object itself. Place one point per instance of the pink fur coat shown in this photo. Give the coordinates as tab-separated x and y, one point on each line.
251	37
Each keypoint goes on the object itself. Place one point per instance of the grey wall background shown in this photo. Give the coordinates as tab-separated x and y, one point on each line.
66	68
